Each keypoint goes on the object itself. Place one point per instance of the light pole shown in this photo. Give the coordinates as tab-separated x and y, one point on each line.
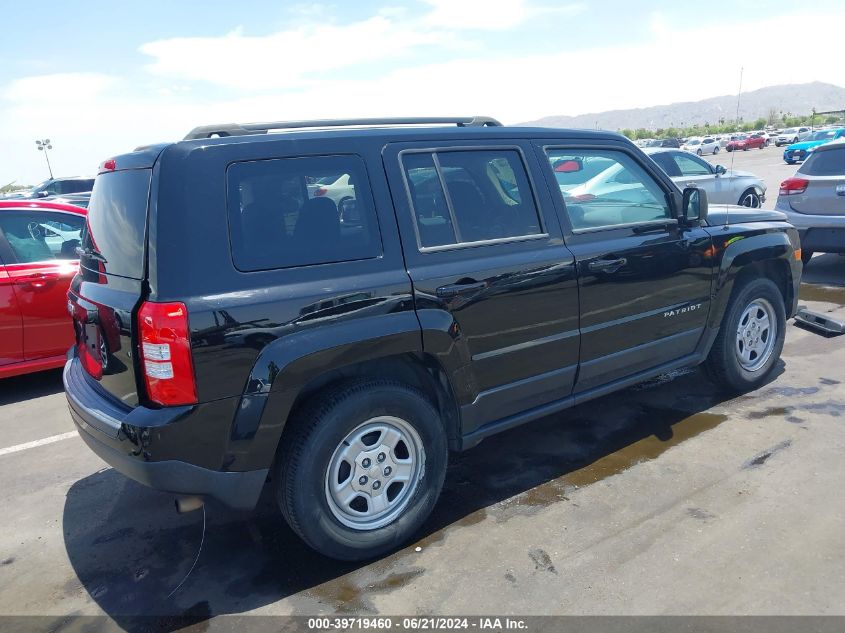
43	146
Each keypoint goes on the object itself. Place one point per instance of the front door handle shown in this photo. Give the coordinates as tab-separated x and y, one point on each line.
453	290
606	265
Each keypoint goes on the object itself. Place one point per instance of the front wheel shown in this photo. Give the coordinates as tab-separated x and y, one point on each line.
716	150
361	468
698	151
750	339
750	198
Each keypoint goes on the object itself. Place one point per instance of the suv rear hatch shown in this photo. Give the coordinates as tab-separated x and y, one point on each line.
818	187
105	295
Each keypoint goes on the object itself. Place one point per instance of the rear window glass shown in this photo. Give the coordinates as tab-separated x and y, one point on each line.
830	162
117	218
489	196
300	211
36	236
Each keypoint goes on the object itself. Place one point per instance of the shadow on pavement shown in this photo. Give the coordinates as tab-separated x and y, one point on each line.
29	386
130	549
827	269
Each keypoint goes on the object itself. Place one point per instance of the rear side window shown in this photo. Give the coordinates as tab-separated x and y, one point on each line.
825	163
469	196
288	212
75	186
37	236
117	219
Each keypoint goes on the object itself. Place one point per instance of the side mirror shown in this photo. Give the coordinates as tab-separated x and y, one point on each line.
720	170
568	165
42	194
694	206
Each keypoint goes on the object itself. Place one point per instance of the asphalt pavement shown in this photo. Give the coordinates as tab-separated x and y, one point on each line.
666	498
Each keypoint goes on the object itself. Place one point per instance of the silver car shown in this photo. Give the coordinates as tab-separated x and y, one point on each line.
723	186
814	200
792	135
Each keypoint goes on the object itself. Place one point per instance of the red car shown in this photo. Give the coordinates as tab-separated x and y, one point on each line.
746	142
38	259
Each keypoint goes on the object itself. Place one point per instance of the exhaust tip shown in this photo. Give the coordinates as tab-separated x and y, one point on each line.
188	504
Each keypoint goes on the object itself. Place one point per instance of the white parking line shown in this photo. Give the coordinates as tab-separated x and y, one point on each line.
28	445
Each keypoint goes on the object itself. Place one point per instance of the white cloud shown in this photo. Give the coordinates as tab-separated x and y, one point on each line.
92	116
56	86
314	49
286	59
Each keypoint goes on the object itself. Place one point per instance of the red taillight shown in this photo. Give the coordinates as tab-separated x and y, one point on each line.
166	353
792	186
321	191
108	165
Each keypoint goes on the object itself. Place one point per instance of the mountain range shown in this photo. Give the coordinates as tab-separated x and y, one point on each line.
792	99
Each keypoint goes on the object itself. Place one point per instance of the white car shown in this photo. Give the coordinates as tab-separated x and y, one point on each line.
792	135
699	146
723	186
336	188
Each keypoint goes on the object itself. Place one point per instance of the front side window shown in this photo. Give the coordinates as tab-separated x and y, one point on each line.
37	236
622	193
690	165
289	212
470	196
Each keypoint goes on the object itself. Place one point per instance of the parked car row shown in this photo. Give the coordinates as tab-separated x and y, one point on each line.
799	151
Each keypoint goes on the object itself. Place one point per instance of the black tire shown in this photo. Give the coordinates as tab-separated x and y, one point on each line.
318	429
716	151
722	364
698	152
729	149
753	198
806	256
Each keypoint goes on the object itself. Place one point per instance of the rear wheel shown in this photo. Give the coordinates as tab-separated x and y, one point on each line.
750	339
362	468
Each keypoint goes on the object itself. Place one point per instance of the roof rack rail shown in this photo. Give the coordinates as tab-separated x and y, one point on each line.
241	129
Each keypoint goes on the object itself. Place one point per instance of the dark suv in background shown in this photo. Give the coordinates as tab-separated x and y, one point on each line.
56	187
242	321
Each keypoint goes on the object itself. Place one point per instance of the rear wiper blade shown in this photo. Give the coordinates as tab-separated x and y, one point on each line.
90	252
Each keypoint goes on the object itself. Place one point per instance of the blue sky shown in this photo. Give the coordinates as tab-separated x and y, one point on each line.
99	81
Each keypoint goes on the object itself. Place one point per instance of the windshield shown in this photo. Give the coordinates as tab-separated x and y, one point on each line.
693	141
791	130
820	136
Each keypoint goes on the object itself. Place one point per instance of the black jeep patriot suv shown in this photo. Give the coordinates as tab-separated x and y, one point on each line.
329	307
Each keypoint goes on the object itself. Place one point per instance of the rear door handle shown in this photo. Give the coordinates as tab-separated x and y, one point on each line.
37	280
453	290
607	265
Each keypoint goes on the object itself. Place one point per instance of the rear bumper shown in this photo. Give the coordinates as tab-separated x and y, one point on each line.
818	233
121	437
823	240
